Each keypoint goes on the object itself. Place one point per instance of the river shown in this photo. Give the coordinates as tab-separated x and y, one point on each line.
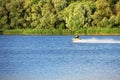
58	58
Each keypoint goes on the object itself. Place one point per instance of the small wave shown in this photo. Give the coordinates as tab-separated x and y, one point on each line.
95	40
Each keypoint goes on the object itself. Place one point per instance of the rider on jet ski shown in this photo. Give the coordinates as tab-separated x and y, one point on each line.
76	37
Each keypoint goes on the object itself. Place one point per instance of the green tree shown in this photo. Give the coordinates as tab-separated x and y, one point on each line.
59	14
4	14
78	15
102	10
59	4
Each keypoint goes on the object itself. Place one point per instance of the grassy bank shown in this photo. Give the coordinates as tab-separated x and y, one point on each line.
84	31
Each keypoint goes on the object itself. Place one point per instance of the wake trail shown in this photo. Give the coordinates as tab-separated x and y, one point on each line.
95	40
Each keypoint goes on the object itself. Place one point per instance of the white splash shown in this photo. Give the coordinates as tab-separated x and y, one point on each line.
95	40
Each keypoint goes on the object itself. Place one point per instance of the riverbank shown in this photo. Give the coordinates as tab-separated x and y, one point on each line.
85	31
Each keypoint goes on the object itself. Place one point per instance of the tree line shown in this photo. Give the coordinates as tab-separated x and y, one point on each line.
59	14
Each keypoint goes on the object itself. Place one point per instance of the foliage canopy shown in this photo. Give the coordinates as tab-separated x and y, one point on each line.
59	14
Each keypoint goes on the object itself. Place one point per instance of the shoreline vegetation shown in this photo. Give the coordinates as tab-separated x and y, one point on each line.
89	31
60	17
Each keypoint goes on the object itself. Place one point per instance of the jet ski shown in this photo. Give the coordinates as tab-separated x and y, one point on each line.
76	38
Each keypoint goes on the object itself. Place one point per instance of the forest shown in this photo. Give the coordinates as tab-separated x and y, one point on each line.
60	16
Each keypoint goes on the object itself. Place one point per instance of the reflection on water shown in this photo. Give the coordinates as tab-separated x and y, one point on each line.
58	58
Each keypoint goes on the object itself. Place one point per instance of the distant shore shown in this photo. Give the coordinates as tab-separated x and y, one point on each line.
88	31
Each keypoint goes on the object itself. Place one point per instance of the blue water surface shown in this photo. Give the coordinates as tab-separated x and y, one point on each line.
58	58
